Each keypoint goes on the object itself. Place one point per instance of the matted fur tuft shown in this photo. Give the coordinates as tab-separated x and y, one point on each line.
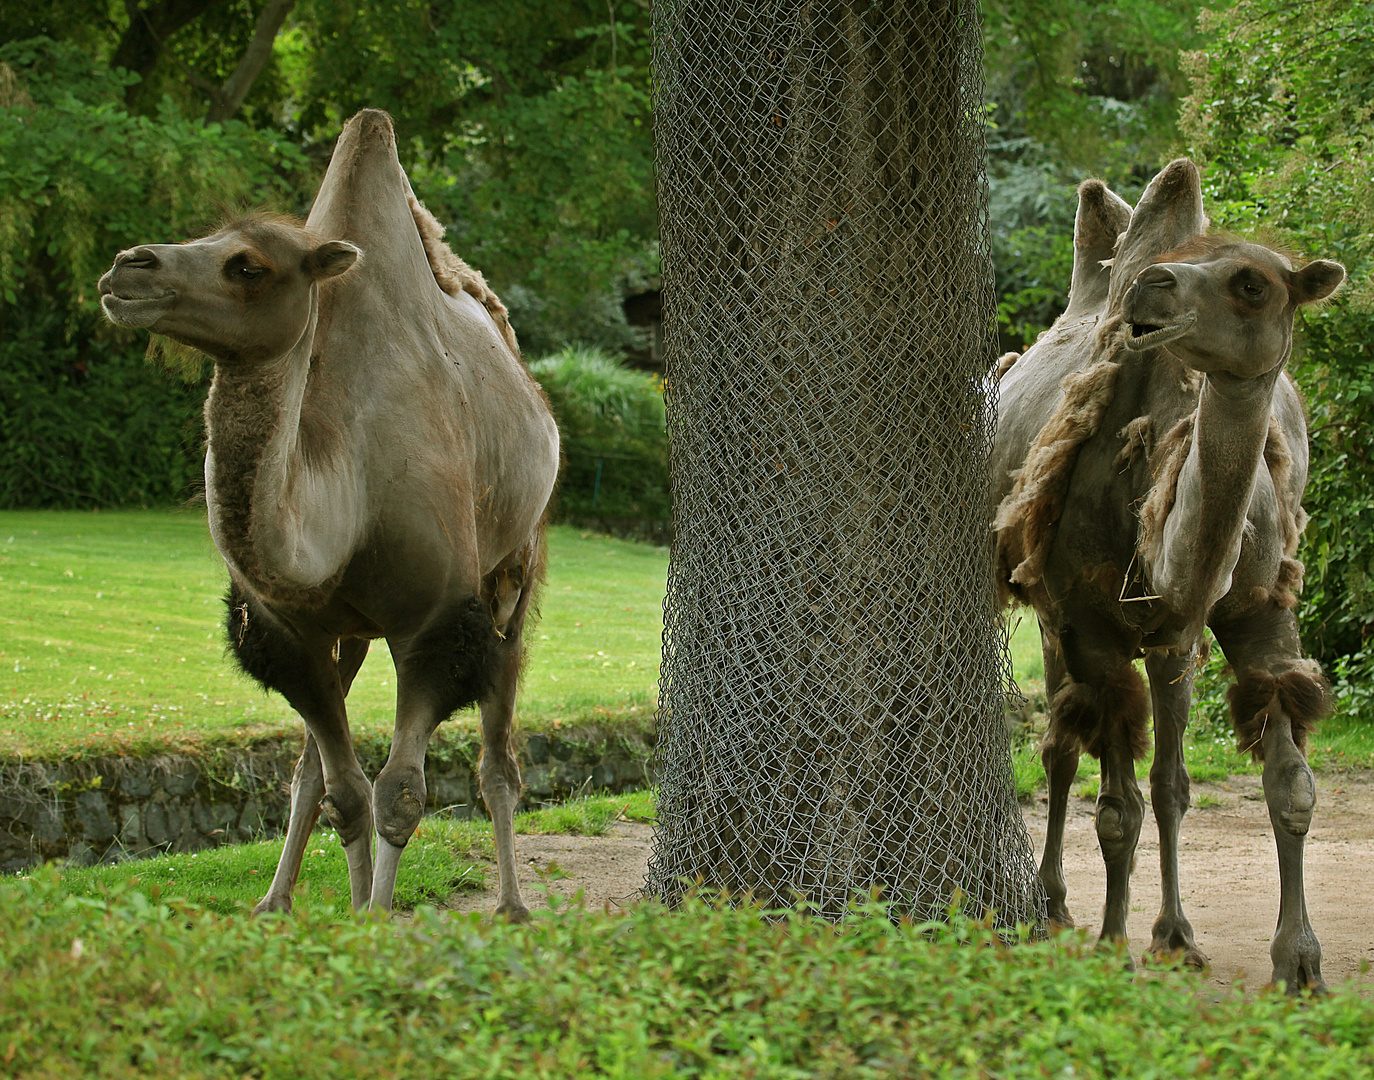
1140	438
1166	462
1025	522
1301	692
1004	363
1289	583
454	275
1088	715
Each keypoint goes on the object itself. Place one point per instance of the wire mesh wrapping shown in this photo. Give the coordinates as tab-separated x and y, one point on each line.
831	709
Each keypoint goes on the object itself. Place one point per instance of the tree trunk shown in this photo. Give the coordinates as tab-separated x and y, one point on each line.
831	717
149	28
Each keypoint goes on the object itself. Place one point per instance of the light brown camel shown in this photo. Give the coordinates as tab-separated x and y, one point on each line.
378	466
1150	461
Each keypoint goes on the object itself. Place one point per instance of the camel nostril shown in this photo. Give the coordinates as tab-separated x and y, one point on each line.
140	258
1157	277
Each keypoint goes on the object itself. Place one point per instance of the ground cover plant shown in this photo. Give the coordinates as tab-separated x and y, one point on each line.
111	638
446	855
121	985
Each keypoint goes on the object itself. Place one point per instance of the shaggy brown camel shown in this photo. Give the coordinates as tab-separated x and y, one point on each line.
1150	461
378	466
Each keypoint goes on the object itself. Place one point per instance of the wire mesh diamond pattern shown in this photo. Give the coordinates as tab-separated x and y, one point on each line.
831	693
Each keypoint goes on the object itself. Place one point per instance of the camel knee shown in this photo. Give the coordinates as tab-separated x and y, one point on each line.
1170	790
1118	822
398	803
347	804
1290	789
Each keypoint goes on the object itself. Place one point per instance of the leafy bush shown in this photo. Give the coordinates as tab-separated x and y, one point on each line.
131	983
83	420
615	446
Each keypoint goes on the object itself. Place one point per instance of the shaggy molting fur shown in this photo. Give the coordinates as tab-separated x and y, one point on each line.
1026	520
454	275
1300	692
1087	714
459	655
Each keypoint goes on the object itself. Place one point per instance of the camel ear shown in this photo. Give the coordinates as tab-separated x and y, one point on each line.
1168	215
1317	280
331	259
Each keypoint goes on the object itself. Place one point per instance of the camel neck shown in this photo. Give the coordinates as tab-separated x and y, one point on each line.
255	470
1203	532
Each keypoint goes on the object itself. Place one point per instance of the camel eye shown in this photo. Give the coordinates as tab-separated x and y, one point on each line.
251	273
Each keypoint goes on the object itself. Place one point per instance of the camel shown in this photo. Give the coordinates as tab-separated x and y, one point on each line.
379	462
1149	466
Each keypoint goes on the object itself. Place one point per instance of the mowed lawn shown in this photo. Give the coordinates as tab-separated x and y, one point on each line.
111	640
111	637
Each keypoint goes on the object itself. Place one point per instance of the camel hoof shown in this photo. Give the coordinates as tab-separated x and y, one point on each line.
1189	956
1108	944
1061	920
515	912
269	904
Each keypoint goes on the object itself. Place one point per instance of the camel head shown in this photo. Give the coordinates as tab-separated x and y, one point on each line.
242	294
1223	305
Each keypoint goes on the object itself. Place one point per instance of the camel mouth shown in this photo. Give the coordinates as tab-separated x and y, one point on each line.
1145	335
136	311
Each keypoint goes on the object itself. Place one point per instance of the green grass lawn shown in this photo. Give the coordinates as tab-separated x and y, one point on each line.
111	637
443	857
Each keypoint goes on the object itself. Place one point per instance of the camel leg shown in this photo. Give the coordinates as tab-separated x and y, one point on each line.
305	672
425	700
1278	697
1291	792
400	791
1171	688
1059	755
500	775
307	788
1120	811
1123	735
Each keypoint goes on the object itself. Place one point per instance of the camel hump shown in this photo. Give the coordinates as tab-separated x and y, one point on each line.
1168	215
454	275
368	124
1102	218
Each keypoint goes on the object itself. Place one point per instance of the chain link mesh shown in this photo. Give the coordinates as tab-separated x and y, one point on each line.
831	709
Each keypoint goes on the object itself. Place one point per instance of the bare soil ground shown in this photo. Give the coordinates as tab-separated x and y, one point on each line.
1228	867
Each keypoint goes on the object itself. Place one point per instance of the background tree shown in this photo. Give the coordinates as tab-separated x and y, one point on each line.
1282	115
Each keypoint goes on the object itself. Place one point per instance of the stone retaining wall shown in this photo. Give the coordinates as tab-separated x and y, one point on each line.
108	809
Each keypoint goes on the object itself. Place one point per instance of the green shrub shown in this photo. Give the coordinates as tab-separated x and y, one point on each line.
129	984
615	446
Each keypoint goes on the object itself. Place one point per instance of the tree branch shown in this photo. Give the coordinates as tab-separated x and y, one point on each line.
225	101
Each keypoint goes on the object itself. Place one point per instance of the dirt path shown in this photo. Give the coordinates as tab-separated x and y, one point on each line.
1229	873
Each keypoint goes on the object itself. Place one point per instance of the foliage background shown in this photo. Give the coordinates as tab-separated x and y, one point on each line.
526	127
